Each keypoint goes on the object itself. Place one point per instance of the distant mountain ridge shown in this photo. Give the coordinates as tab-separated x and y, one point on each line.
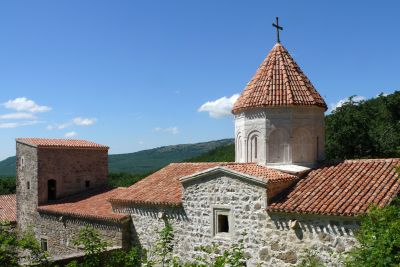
143	161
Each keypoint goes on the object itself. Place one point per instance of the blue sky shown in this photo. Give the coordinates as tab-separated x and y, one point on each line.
133	74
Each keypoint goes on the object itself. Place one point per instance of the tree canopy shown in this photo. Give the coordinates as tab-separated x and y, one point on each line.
365	129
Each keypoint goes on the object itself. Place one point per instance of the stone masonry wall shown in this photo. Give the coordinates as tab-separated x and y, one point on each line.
27	185
60	231
269	241
71	168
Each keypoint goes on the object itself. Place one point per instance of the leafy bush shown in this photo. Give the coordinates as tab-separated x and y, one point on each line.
15	248
310	259
378	237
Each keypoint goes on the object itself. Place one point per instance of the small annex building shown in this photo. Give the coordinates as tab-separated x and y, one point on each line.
279	196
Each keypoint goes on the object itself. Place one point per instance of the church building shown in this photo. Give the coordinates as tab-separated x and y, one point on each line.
279	196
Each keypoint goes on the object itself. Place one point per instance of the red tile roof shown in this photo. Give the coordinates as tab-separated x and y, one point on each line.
91	204
344	189
8	208
279	81
61	143
164	187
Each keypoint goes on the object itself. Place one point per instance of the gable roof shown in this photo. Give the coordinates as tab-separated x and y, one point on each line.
8	208
278	81
164	186
91	204
344	189
61	143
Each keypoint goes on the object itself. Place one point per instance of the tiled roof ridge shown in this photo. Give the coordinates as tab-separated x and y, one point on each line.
60	142
371	160
82	215
164	187
278	82
8	195
97	198
346	188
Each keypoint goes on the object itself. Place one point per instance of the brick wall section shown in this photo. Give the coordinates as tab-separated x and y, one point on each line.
71	168
274	189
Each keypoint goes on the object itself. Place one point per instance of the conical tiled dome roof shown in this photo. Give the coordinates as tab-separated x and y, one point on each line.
278	81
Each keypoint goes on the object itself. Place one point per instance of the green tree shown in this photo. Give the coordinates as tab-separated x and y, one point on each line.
93	246
7	185
364	129
379	238
24	247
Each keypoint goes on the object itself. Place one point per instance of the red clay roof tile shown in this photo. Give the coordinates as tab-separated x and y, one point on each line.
344	189
91	204
279	81
164	187
8	208
61	143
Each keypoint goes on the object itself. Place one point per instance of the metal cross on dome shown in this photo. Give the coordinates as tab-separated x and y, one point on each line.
277	29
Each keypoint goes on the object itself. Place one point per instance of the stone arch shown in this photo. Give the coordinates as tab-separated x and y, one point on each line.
239	148
253	146
276	145
302	146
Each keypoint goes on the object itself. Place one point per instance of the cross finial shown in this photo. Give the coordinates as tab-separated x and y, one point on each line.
277	29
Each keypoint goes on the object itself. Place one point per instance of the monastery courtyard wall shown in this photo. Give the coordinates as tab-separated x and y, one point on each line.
60	231
269	239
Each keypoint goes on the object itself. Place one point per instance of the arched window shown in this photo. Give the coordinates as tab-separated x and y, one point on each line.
253	148
276	146
51	189
302	148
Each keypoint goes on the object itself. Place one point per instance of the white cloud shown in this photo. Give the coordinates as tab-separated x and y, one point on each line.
84	121
25	104
79	121
70	134
171	130
9	125
219	108
341	102
17	116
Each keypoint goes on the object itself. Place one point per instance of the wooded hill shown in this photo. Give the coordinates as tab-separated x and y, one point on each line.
142	161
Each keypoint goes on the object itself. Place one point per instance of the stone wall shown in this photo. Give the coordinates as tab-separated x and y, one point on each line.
268	239
27	185
60	231
280	135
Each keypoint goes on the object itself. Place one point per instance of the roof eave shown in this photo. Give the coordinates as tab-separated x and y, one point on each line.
220	169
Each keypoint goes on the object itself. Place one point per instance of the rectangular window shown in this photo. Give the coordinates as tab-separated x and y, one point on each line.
43	244
87	184
222	224
28	185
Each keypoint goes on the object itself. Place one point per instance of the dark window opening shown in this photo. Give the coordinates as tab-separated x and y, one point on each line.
43	244
223	223
87	184
28	185
255	147
52	189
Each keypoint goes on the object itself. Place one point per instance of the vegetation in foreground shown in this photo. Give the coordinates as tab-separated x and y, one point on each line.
378	238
